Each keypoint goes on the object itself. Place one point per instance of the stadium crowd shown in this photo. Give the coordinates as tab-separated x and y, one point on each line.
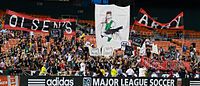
63	57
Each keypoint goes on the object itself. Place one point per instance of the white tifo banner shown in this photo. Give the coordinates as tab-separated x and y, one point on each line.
112	26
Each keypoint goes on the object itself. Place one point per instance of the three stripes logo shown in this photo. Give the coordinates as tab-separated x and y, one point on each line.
194	83
36	82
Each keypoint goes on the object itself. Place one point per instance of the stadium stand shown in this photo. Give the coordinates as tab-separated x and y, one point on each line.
40	50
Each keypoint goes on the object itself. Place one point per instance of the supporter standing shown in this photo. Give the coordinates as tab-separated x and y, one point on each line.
142	71
113	72
82	66
130	72
43	71
184	48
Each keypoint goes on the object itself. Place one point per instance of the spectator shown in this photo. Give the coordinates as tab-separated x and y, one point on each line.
82	66
43	71
130	72
113	72
154	75
177	55
142	71
182	73
184	49
148	51
71	58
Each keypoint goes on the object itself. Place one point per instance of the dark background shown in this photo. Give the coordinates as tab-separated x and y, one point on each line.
161	10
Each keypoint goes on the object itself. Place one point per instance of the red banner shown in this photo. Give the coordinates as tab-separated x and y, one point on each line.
145	20
164	65
19	21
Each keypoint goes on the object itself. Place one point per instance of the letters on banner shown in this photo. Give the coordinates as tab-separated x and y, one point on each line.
145	20
18	21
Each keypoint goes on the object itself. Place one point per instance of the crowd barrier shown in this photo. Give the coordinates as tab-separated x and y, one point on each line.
94	81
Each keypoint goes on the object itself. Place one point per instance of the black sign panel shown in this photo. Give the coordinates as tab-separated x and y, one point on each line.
50	81
137	40
128	50
95	81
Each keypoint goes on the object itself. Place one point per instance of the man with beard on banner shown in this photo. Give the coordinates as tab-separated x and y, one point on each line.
110	29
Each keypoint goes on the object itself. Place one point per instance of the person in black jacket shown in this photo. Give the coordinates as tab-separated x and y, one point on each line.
182	73
148	51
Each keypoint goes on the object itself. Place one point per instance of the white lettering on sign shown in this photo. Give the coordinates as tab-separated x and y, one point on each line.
34	23
144	19
167	26
162	82
22	23
45	26
15	22
154	25
60	82
105	82
132	82
68	29
178	21
55	25
140	82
